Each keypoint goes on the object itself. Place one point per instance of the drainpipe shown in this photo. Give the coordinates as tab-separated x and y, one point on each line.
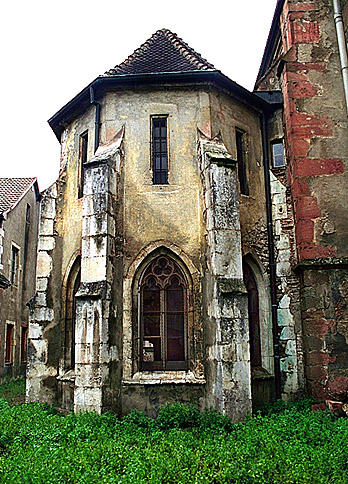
96	119
342	47
271	258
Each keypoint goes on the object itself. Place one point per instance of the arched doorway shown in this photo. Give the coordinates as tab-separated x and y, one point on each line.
261	378
254	316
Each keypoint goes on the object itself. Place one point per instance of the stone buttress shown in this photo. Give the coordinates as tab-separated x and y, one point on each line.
94	307
228	351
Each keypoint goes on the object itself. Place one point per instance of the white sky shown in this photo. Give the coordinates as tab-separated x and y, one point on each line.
51	49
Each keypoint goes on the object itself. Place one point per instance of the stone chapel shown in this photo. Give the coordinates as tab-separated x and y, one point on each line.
169	265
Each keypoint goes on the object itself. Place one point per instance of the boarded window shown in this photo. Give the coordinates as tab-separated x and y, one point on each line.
9	342
163	316
159	150
241	160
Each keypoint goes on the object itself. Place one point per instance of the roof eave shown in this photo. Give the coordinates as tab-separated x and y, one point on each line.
271	43
81	100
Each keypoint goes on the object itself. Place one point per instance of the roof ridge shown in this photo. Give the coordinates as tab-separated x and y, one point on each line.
182	47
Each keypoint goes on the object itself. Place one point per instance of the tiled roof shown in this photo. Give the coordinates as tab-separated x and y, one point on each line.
11	190
163	52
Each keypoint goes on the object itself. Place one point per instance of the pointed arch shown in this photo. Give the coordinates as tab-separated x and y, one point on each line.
259	295
70	288
173	351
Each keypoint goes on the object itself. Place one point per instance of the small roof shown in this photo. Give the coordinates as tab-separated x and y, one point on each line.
12	190
164	51
163	59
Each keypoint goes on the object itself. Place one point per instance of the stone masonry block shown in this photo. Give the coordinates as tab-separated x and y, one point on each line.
41	283
46	243
46	226
44	264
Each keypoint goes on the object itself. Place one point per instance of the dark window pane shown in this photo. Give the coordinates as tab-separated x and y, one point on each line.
241	162
175	337
253	313
163	315
159	151
151	300
151	324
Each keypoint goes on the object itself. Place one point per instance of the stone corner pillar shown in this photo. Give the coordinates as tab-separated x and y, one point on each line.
41	375
226	297
93	354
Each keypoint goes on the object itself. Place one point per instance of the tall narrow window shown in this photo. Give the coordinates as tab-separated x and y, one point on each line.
14	265
278	154
254	319
159	151
163	316
241	161
24	343
9	343
82	161
73	284
26	244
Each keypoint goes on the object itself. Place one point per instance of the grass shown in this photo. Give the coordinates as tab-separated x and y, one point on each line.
13	391
287	444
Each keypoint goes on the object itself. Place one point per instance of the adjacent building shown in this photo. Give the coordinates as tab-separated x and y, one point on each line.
19	215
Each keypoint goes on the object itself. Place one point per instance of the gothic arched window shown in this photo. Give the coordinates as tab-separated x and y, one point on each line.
72	287
163	316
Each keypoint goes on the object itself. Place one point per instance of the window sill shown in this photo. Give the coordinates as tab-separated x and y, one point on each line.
164	377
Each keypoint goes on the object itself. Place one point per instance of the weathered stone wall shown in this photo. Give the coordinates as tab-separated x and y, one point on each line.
325	330
288	282
227	115
13	300
157	216
315	125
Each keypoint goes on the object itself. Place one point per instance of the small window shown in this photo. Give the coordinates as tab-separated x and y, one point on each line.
24	343
9	343
163	316
241	161
278	154
14	265
159	150
82	161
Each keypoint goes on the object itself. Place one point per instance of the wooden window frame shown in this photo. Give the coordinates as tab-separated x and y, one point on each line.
163	364
9	343
83	156
274	143
241	146
152	119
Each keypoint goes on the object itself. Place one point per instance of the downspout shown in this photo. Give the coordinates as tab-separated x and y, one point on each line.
96	119
342	47
271	258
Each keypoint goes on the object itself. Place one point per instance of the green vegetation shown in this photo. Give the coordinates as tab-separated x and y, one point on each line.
13	391
286	444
